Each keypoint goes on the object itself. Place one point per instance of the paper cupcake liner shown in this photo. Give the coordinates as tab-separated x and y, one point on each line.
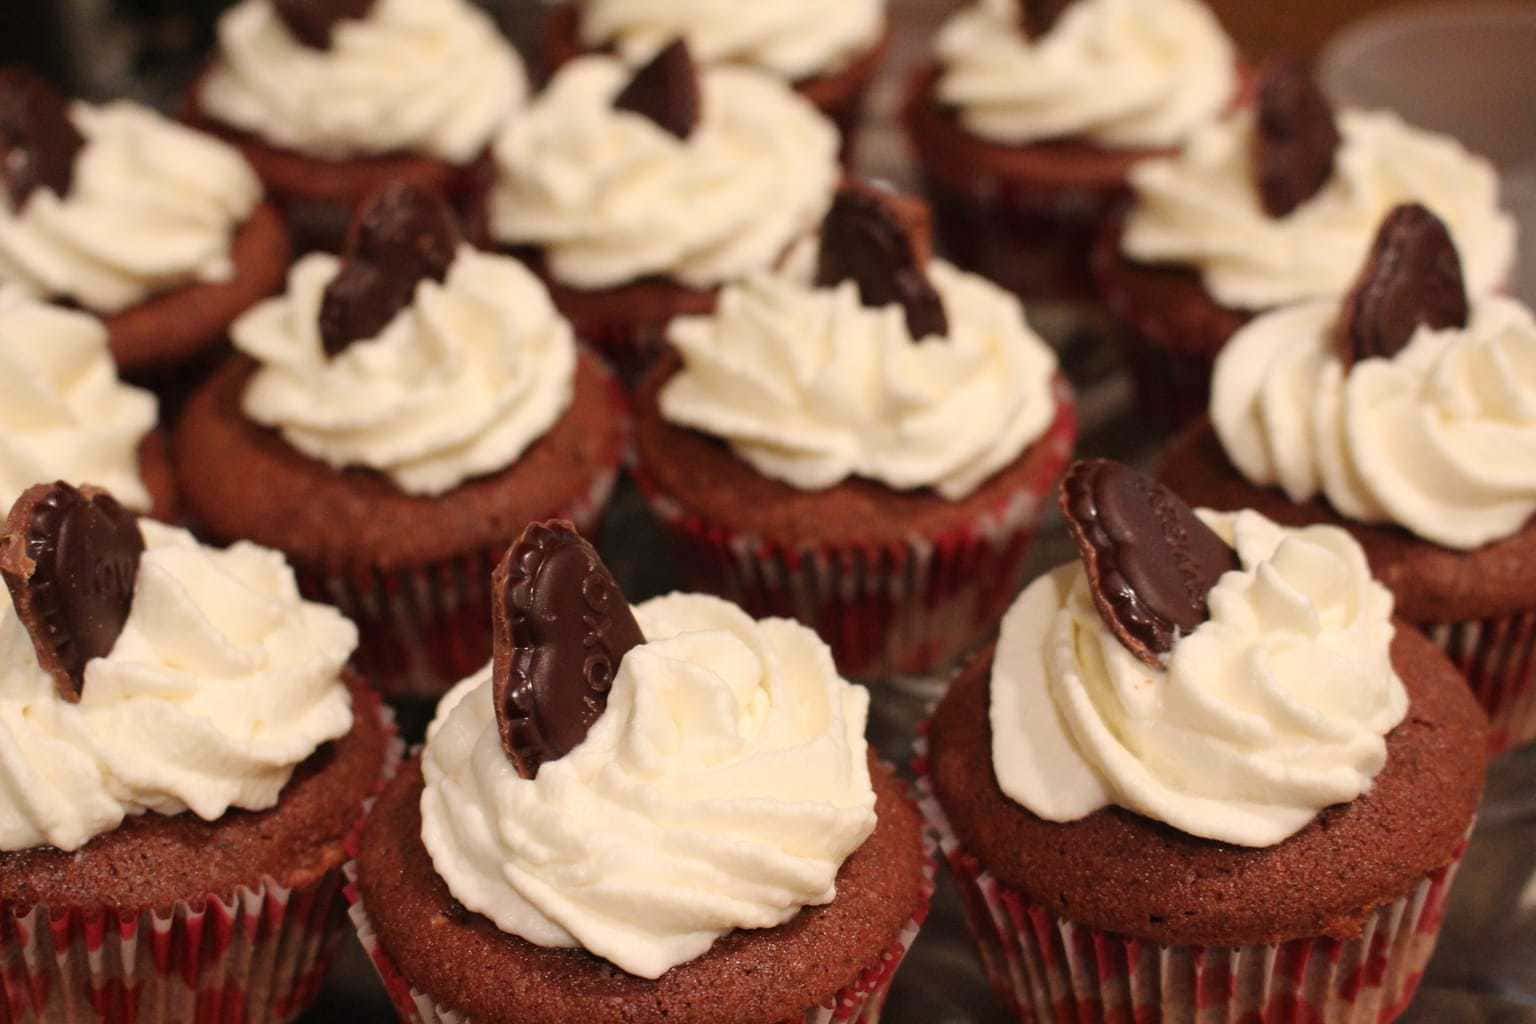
1498	657
1172	388
1044	967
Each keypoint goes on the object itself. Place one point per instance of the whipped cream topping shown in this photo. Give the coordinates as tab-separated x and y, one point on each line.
459	384
63	412
1272	710
154	206
722	788
222	682
611	197
1439	439
1202	208
1126	74
793	39
430	77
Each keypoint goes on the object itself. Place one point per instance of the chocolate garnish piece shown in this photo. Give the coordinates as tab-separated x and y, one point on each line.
311	21
70	559
882	242
666	91
38	141
1296	138
403	235
1412	277
1150	560
559	626
1037	17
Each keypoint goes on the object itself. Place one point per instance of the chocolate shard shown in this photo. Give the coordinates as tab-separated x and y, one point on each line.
38	141
311	21
1150	560
882	242
1296	139
403	235
70	558
1038	17
666	91
560	626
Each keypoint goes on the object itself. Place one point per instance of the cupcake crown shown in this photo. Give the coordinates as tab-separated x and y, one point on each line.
1297	139
1038	17
882	242
312	21
666	91
38	141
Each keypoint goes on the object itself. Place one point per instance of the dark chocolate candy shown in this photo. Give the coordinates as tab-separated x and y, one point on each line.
666	91
1037	17
70	559
1150	561
882	242
38	141
560	626
311	21
1295	140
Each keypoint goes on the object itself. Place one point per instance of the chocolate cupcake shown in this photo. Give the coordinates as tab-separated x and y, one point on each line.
188	758
1204	774
784	874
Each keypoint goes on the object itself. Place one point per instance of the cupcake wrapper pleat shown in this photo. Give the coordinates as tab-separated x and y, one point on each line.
1498	657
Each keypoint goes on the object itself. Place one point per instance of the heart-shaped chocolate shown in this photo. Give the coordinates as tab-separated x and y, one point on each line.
666	91
38	141
1411	278
1296	139
311	21
1037	17
1150	560
560	626
882	242
70	559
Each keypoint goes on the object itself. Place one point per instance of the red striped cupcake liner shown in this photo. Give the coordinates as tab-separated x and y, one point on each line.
1498	657
1172	388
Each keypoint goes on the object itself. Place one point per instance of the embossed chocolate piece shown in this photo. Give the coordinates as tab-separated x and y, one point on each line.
38	141
1295	139
882	242
1037	17
1150	560
559	626
666	91
311	21
70	559
1411	278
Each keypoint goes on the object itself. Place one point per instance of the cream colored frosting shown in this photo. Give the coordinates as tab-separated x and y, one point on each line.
1439	439
1202	208
611	197
430	77
1126	74
63	412
1272	710
222	682
722	788
458	385
153	206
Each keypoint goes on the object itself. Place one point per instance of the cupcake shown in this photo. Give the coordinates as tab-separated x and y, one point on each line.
158	229
1204	774
665	813
1030	116
1405	414
332	99
1275	205
391	423
636	195
187	757
863	440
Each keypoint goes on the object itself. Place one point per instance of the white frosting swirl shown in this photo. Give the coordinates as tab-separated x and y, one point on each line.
432	77
1439	439
1126	74
222	682
811	387
63	412
1202	208
154	205
611	197
459	384
1272	710
793	39
722	788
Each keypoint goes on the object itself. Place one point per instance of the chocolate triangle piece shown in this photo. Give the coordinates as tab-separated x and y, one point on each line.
311	21
666	91
1411	278
560	626
882	242
1150	560
1038	17
70	558
38	141
1296	139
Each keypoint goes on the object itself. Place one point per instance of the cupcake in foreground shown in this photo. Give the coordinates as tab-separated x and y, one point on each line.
864	441
1032	113
187	757
1406	414
391	423
1204	773
783	876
